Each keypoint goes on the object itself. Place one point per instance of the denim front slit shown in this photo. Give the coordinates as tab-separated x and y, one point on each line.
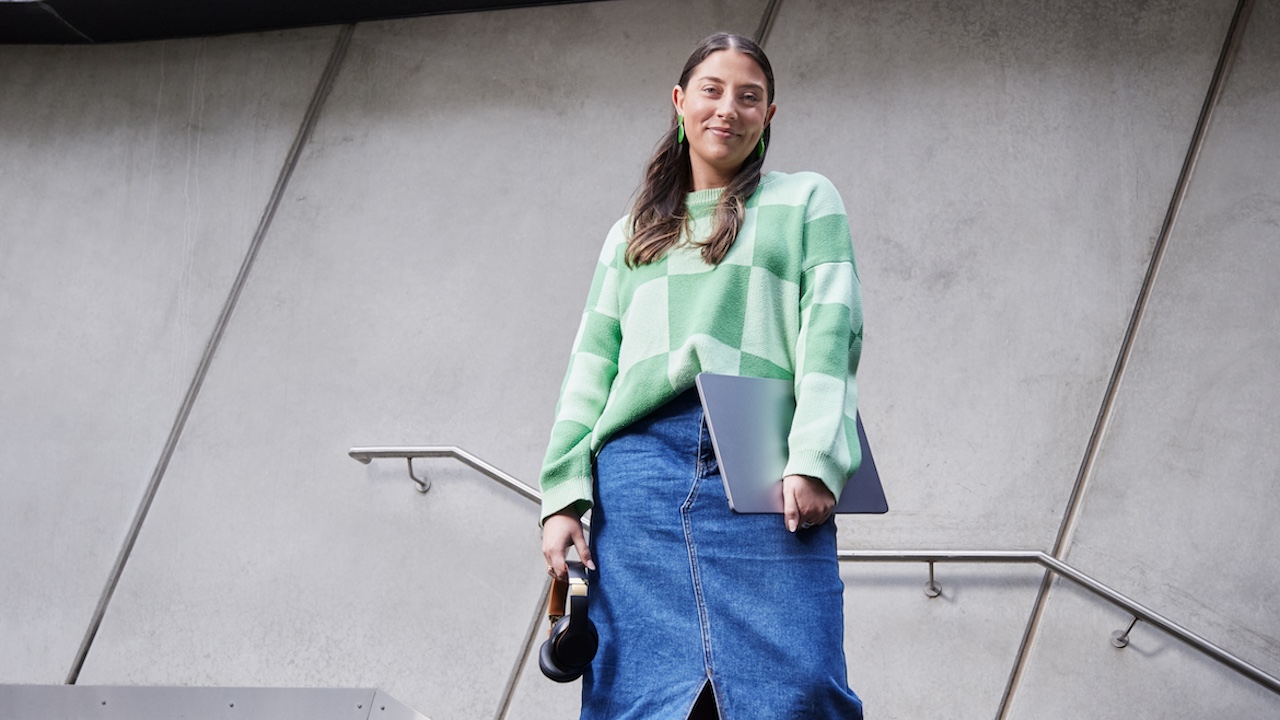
689	592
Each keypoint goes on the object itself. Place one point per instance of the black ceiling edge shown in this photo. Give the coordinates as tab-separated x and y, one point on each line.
36	22
113	21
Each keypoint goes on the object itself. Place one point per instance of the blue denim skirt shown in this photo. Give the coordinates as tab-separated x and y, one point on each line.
688	592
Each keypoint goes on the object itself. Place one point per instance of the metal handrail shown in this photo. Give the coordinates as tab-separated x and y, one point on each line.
1048	562
1060	568
367	454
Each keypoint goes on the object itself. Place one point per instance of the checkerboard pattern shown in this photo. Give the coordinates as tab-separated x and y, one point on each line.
784	303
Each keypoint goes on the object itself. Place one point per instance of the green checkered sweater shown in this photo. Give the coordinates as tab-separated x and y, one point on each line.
784	303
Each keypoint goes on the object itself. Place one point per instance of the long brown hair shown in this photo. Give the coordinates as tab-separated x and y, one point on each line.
658	218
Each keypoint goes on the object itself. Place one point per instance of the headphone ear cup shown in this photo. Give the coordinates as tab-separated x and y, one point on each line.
549	660
577	645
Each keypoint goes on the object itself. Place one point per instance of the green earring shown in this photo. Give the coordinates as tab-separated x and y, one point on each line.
679	129
760	147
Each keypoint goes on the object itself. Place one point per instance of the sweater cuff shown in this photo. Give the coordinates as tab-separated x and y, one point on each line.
819	465
572	493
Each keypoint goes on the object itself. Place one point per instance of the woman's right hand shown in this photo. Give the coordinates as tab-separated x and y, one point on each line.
559	532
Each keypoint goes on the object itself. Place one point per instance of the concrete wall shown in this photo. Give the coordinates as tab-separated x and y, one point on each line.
1007	167
132	180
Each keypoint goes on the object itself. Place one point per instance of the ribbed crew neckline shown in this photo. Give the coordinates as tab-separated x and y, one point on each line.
701	201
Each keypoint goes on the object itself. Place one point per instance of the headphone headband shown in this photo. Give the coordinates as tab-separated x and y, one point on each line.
561	591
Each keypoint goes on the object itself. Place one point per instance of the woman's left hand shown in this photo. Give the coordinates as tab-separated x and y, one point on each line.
806	502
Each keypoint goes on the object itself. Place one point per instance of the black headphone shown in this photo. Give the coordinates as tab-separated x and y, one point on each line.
573	641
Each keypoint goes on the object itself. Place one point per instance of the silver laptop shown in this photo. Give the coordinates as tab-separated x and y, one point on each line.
749	420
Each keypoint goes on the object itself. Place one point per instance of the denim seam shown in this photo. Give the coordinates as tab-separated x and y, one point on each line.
699	597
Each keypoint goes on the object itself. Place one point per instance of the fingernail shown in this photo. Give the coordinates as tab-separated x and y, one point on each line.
791	525
590	565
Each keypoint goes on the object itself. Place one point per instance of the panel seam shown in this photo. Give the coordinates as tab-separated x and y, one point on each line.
325	84
766	22
1070	519
530	642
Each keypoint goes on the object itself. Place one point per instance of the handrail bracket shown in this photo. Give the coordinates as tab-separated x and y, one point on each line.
424	483
932	589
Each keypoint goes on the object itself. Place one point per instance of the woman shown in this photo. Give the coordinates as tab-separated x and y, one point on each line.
703	612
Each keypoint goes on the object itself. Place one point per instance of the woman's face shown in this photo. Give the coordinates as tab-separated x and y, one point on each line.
726	108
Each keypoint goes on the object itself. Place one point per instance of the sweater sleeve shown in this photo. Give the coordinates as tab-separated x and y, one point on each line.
566	478
823	441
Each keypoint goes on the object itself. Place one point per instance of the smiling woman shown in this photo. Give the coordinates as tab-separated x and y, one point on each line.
699	152
701	612
724	113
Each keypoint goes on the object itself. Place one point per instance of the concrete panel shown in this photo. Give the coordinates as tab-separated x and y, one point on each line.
1006	166
911	656
1183	509
1075	671
133	178
271	559
421	284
